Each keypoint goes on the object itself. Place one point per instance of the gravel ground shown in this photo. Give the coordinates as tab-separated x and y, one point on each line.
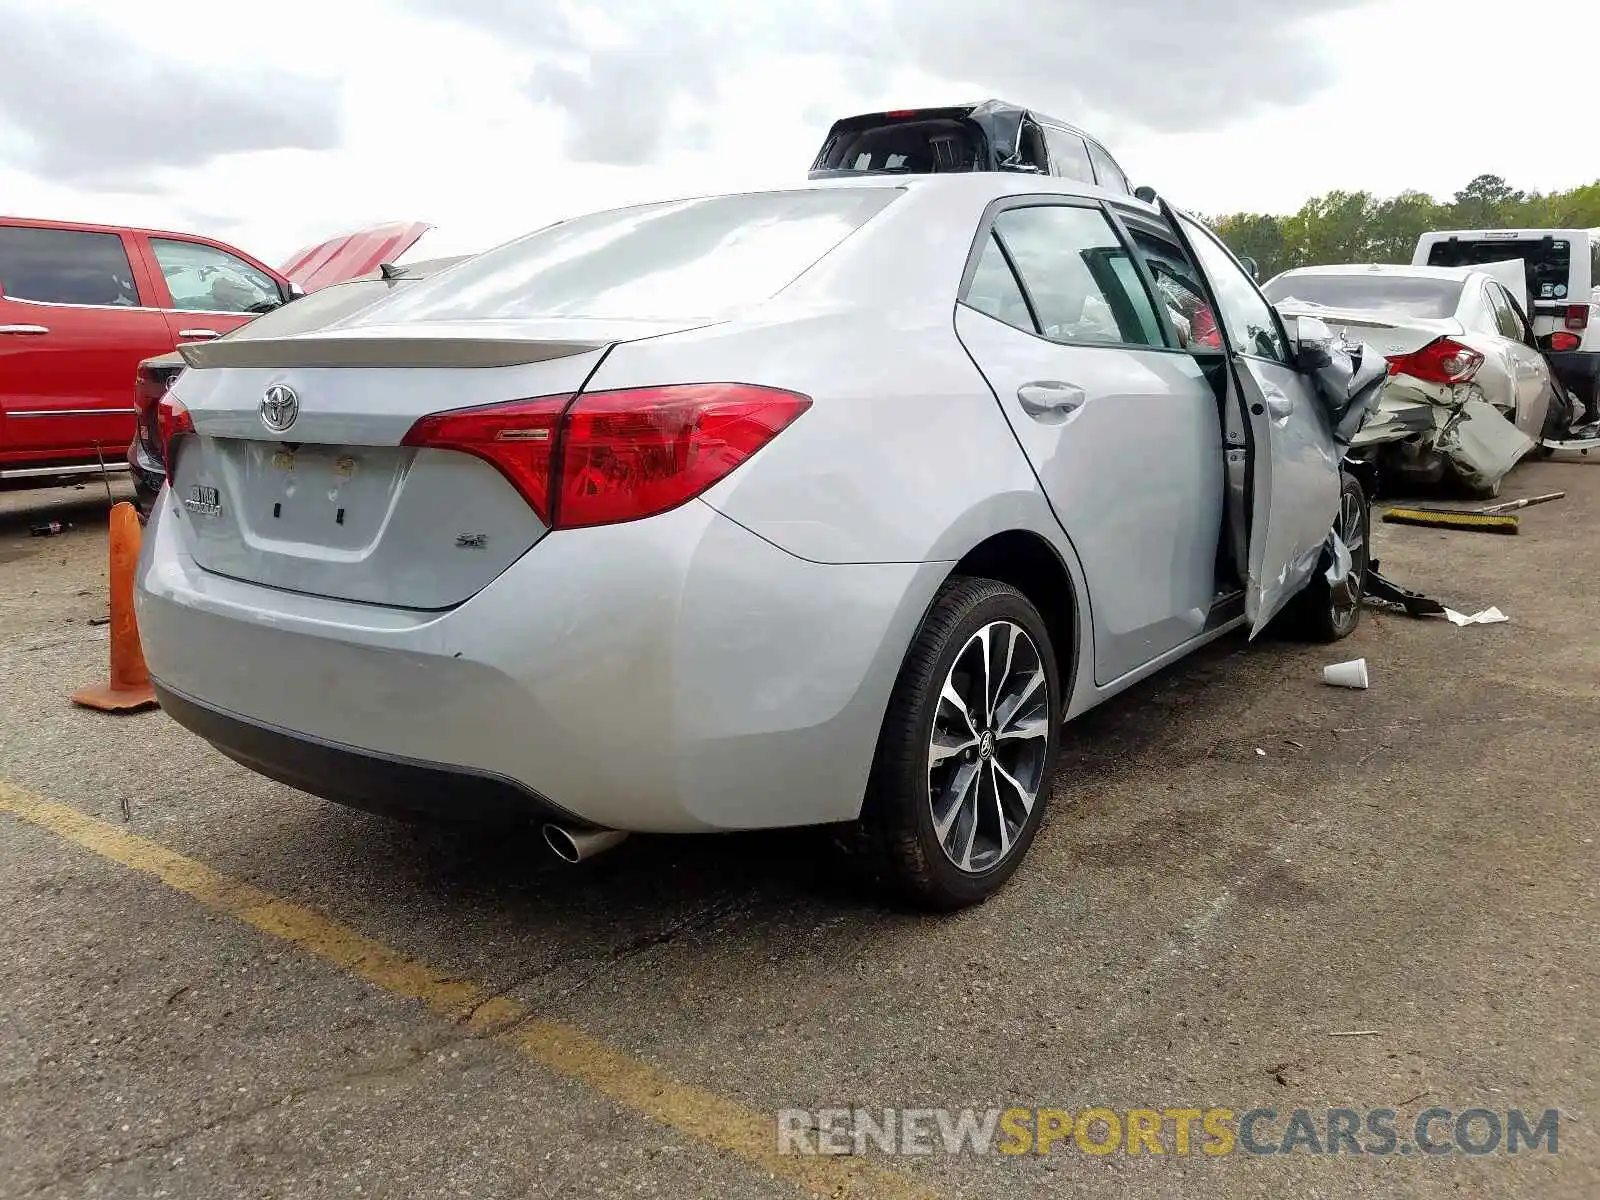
1239	863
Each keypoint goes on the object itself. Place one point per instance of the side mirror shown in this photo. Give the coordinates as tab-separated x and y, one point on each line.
1249	264
1310	342
1145	193
296	292
1022	168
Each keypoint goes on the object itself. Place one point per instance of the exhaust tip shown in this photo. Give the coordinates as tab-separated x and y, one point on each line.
561	844
575	846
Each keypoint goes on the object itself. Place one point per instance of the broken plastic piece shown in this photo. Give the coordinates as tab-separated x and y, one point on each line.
1415	604
1488	616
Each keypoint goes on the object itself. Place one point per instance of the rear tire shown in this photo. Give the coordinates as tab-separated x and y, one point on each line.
1317	614
958	791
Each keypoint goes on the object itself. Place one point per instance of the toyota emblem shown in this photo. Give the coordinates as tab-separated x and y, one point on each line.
279	407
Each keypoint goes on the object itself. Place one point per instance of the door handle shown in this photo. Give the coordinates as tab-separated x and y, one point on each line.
1049	399
1280	406
26	330
198	333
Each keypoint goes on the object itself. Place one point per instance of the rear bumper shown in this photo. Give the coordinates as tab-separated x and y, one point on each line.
671	675
389	784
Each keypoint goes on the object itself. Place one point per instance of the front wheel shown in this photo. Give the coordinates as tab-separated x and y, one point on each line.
962	773
1325	612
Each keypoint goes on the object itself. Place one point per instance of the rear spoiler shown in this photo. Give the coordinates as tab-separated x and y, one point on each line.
382	352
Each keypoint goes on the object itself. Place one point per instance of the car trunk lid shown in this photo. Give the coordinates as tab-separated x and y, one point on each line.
1388	332
331	502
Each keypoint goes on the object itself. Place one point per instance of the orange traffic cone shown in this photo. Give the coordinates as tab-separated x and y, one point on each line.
129	689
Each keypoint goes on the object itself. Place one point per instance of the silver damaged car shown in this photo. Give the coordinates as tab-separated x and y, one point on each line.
819	505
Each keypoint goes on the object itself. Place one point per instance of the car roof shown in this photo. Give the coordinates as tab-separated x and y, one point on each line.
1494	235
982	185
91	227
972	108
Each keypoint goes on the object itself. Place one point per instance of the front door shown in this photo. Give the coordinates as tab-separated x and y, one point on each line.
1120	427
73	329
1293	477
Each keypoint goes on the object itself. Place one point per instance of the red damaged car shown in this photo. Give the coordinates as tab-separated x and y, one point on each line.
82	306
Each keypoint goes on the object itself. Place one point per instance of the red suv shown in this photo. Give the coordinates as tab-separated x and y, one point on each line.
81	306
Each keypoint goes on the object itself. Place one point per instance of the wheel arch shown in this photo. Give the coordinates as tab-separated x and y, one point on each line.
1029	563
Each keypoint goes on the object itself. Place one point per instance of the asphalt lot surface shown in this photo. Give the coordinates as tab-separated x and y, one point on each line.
263	995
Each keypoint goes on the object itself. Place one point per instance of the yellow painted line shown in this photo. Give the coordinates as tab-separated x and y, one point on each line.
562	1048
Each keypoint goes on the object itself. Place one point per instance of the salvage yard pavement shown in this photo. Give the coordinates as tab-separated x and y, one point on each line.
1253	892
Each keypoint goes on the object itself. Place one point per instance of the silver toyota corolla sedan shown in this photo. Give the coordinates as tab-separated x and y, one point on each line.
819	505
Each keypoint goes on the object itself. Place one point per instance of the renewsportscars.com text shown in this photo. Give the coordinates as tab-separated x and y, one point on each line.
1212	1132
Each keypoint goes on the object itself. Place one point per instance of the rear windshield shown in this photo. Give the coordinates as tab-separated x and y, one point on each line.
1548	264
1375	293
701	258
908	147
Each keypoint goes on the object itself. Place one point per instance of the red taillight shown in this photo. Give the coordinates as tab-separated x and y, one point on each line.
518	438
631	454
900	114
148	388
620	455
172	422
1577	316
1440	361
1562	340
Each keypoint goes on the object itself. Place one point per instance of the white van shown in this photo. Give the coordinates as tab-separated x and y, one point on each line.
1561	268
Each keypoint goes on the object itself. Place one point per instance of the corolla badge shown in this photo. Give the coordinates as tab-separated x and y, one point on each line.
279	407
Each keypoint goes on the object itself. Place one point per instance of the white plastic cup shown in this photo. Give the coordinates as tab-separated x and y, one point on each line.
1352	674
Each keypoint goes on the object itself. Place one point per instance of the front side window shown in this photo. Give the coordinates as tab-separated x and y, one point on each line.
1069	157
699	259
66	266
1107	172
1075	271
202	278
1178	287
1251	324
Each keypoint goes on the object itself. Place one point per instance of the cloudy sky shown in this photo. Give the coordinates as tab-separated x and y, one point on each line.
273	123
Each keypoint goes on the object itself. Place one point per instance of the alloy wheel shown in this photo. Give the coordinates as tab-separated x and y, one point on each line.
1351	529
986	755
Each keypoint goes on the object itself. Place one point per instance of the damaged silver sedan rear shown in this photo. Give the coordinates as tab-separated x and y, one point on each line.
825	505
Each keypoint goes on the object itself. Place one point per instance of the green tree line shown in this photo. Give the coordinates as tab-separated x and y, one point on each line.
1358	227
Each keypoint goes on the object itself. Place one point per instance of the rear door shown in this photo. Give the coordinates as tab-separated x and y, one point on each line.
1293	479
1120	426
74	324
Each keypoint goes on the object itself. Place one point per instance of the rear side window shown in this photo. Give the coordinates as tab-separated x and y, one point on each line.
1107	172
994	289
700	258
1547	261
1505	316
1080	285
66	266
905	147
1069	156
